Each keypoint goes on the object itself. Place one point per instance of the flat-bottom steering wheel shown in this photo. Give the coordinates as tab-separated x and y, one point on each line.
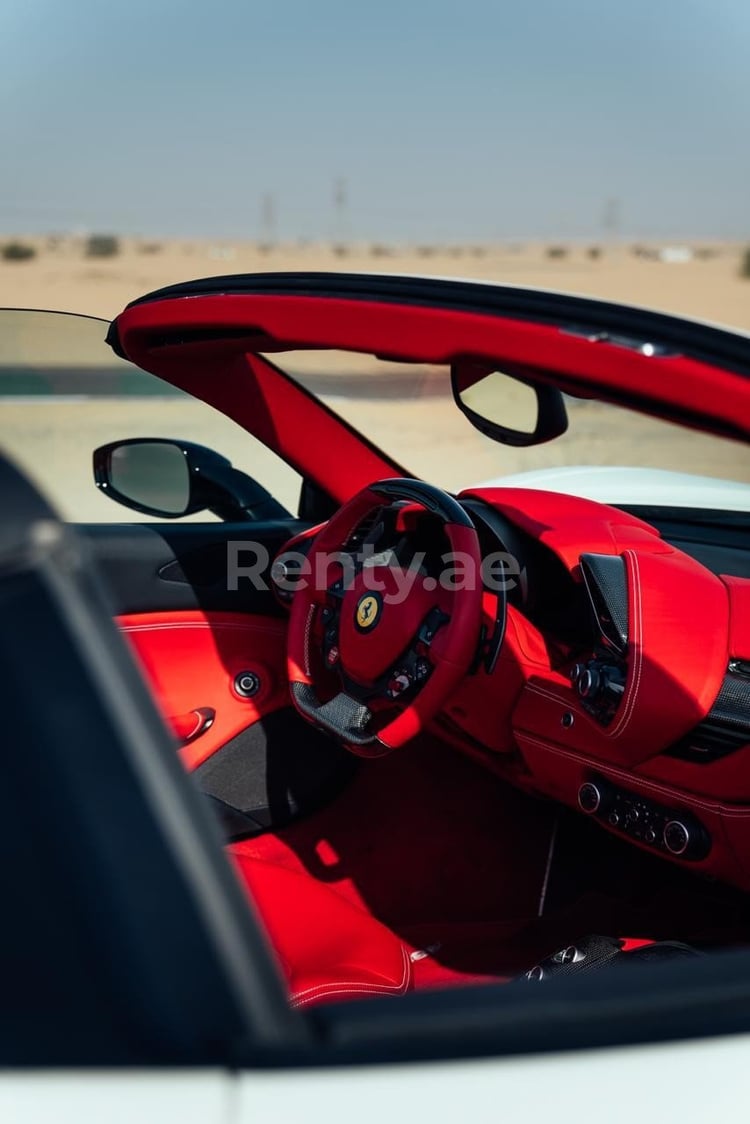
387	657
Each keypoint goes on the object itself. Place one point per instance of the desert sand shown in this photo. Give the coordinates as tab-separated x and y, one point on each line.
62	278
53	438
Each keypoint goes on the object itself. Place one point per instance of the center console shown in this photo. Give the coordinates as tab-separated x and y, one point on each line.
670	830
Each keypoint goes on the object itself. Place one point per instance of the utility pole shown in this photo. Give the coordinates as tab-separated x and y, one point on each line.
611	218
267	221
340	203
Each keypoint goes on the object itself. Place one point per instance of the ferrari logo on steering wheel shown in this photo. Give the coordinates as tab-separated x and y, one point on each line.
367	612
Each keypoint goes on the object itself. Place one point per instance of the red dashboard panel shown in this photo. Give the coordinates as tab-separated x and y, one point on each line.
739	624
569	525
191	659
677	658
559	773
684	626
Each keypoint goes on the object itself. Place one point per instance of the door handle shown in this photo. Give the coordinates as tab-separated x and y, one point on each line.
188	727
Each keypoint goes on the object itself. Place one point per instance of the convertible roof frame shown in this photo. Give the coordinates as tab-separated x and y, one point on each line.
586	316
207	337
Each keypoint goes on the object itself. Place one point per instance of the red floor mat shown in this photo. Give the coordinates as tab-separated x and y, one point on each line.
454	861
433	846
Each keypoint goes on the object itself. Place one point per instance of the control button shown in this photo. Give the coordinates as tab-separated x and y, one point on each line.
589	683
614	818
676	837
569	955
600	686
281	571
332	656
577	670
422	669
589	798
398	683
650	835
246	684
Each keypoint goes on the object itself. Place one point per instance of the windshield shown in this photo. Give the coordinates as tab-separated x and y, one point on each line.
64	393
409	412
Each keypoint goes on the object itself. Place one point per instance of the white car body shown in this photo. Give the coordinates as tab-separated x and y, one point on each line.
622	485
689	1082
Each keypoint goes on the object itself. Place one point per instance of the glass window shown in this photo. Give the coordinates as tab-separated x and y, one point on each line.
63	393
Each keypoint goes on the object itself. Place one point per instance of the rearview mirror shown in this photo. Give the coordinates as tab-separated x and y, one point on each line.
509	408
169	479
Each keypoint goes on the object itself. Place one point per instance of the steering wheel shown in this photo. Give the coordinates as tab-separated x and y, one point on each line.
386	657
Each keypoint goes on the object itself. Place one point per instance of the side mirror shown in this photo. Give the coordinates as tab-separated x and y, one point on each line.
509	408
170	479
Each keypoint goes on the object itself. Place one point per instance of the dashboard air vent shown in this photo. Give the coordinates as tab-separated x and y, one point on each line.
606	582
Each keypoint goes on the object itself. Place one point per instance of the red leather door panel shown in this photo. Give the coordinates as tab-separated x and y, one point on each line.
191	659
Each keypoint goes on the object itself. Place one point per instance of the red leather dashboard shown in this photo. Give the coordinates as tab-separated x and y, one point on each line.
685	626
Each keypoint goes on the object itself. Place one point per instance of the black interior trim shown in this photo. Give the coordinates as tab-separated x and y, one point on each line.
273	772
624	1005
719	540
171	567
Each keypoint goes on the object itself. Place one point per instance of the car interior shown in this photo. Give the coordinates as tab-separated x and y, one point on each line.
532	768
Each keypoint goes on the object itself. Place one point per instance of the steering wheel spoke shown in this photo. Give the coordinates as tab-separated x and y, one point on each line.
342	715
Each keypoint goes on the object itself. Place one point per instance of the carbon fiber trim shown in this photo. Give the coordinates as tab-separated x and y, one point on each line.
726	727
732	706
607	585
341	715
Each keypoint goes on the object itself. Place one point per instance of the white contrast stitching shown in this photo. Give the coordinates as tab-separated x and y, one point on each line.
354	988
203	625
636	779
308	629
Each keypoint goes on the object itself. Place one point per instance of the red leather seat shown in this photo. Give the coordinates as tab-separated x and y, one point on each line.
327	948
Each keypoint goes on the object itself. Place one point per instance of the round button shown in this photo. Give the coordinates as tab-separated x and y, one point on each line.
577	670
246	684
589	683
422	669
589	798
399	682
279	570
676	837
614	818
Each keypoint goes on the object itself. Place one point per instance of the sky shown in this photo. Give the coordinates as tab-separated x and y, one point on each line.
440	121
